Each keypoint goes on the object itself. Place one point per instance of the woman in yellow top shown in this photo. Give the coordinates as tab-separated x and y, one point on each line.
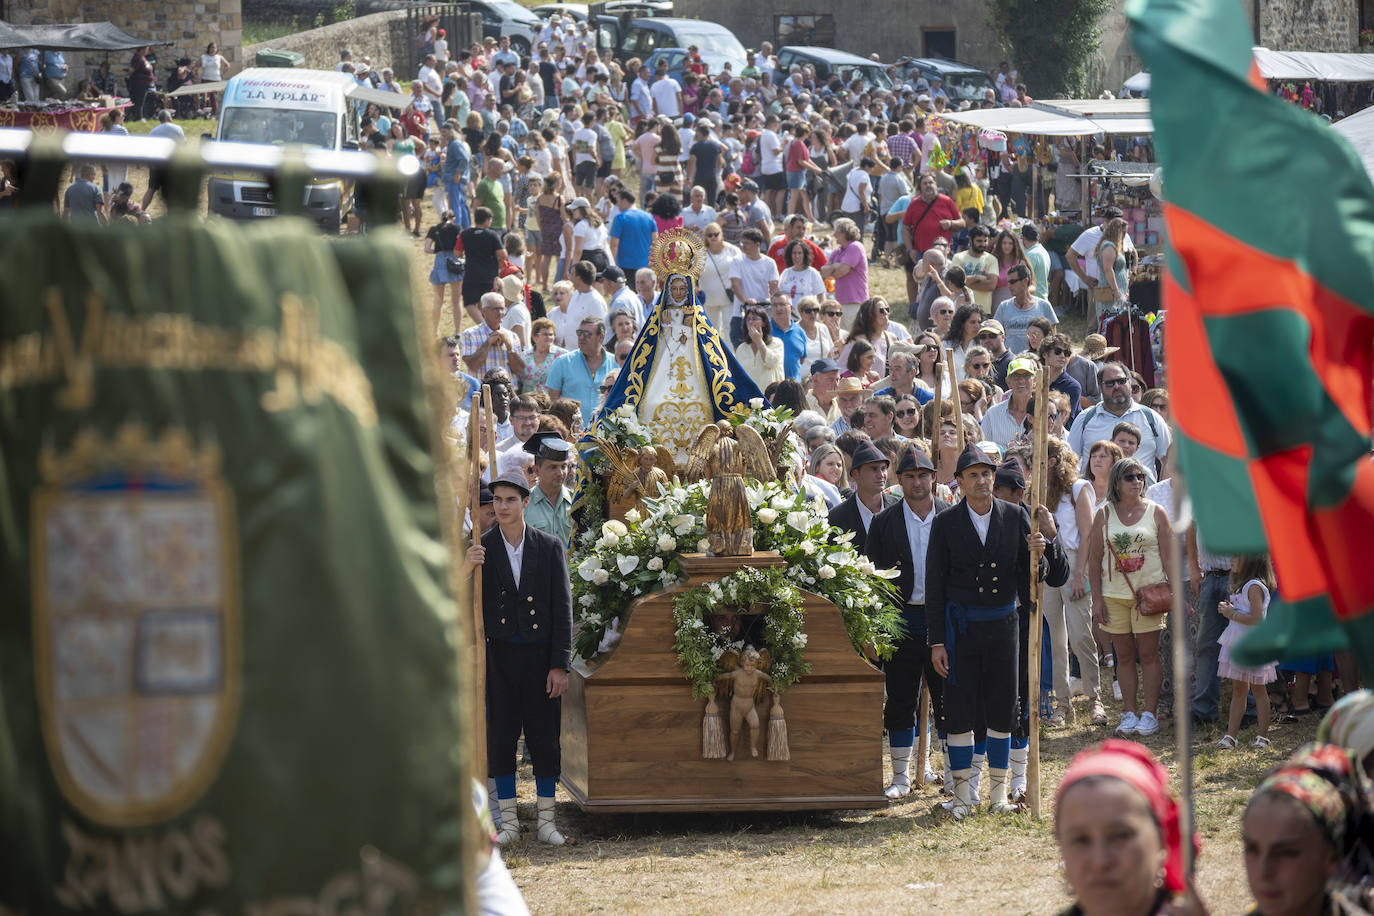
967	195
1126	553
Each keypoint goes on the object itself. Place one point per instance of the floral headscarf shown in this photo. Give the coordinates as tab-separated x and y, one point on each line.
1323	778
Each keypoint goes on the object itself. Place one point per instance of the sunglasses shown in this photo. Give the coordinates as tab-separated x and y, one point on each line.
987	335
884	311
1060	351
811	311
944	312
1134	475
606	388
909	412
834	314
1114	382
581	332
1011	280
1053	417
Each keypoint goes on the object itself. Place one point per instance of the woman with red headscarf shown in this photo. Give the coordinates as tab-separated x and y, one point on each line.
1118	830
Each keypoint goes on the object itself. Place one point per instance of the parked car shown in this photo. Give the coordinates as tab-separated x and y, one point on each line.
506	17
580	11
640	37
576	10
676	58
828	62
961	81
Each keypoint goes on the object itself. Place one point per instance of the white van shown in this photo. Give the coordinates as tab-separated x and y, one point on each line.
319	108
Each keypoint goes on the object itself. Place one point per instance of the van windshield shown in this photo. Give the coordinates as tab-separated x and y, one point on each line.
271	125
966	84
712	44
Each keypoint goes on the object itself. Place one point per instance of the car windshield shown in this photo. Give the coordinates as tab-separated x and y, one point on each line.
271	125
510	10
712	44
967	84
876	77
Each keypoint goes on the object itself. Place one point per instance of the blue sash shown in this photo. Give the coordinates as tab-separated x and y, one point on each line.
957	618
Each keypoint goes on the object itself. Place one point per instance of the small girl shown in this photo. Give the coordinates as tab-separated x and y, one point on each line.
1252	578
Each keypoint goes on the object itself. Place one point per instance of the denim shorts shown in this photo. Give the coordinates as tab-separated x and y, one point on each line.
796	181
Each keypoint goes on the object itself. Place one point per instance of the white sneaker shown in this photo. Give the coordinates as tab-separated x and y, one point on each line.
1129	722
1076	687
1116	689
1147	725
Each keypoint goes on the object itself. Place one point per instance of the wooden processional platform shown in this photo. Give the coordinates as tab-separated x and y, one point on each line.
632	729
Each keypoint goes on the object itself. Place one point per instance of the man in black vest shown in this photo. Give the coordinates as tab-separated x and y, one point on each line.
527	612
868	471
898	538
977	567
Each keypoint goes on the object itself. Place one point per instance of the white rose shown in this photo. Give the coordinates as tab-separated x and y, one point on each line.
614	527
655	564
768	516
826	572
703	545
607	540
799	520
626	564
667	542
782	502
756	403
799	640
600	577
632	516
807	547
588	567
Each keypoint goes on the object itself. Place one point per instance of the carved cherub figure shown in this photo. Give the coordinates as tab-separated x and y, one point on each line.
745	683
635	475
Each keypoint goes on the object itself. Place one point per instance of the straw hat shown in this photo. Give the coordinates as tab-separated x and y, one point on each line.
1095	348
850	384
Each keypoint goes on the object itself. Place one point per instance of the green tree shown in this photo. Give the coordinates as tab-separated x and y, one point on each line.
1051	41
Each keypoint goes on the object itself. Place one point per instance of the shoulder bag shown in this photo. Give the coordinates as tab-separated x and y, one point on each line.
1150	600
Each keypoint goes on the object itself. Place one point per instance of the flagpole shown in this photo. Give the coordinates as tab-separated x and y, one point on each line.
1039	467
1183	719
479	636
923	734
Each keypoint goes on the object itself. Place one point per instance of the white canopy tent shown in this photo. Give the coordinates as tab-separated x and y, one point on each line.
1063	118
1358	129
1327	67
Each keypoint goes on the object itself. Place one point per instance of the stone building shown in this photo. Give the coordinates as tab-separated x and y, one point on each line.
189	25
897	28
1310	25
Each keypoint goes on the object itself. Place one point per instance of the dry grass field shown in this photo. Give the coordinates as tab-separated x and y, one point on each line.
907	858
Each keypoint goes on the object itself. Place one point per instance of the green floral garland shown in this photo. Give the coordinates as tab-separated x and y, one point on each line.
699	648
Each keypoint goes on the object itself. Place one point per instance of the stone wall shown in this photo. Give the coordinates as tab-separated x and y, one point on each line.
383	37
1307	25
305	12
189	25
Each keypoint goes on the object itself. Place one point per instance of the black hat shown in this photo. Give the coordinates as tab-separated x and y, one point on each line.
866	453
547	444
972	455
824	364
914	459
612	273
1009	475
484	497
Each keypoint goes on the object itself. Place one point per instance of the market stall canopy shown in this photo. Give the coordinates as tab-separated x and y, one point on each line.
1315	65
1358	129
76	36
1063	118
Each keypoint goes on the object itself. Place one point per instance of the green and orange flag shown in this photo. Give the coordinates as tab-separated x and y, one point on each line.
1270	341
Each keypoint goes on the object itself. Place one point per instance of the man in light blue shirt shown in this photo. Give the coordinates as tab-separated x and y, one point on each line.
632	232
455	171
790	333
578	375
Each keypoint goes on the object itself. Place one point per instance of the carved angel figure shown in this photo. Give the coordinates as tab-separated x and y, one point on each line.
726	462
745	682
635	475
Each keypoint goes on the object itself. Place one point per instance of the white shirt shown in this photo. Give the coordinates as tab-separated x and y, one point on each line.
755	275
865	516
856	144
918	537
715	278
981	523
594	238
770	152
856	180
517	315
1097	423
665	92
434	87
1085	247
698	220
516	554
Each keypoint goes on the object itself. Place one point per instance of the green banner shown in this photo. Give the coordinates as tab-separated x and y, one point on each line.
229	677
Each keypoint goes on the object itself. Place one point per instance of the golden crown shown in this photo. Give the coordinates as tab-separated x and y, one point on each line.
677	251
131	450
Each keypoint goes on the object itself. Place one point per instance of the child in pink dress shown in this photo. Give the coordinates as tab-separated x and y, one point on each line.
1252	577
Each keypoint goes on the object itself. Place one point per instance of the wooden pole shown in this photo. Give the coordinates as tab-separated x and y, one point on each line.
472	492
491	432
922	736
954	398
939	369
1039	478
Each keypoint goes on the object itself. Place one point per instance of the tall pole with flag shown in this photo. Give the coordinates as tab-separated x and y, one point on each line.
1270	339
